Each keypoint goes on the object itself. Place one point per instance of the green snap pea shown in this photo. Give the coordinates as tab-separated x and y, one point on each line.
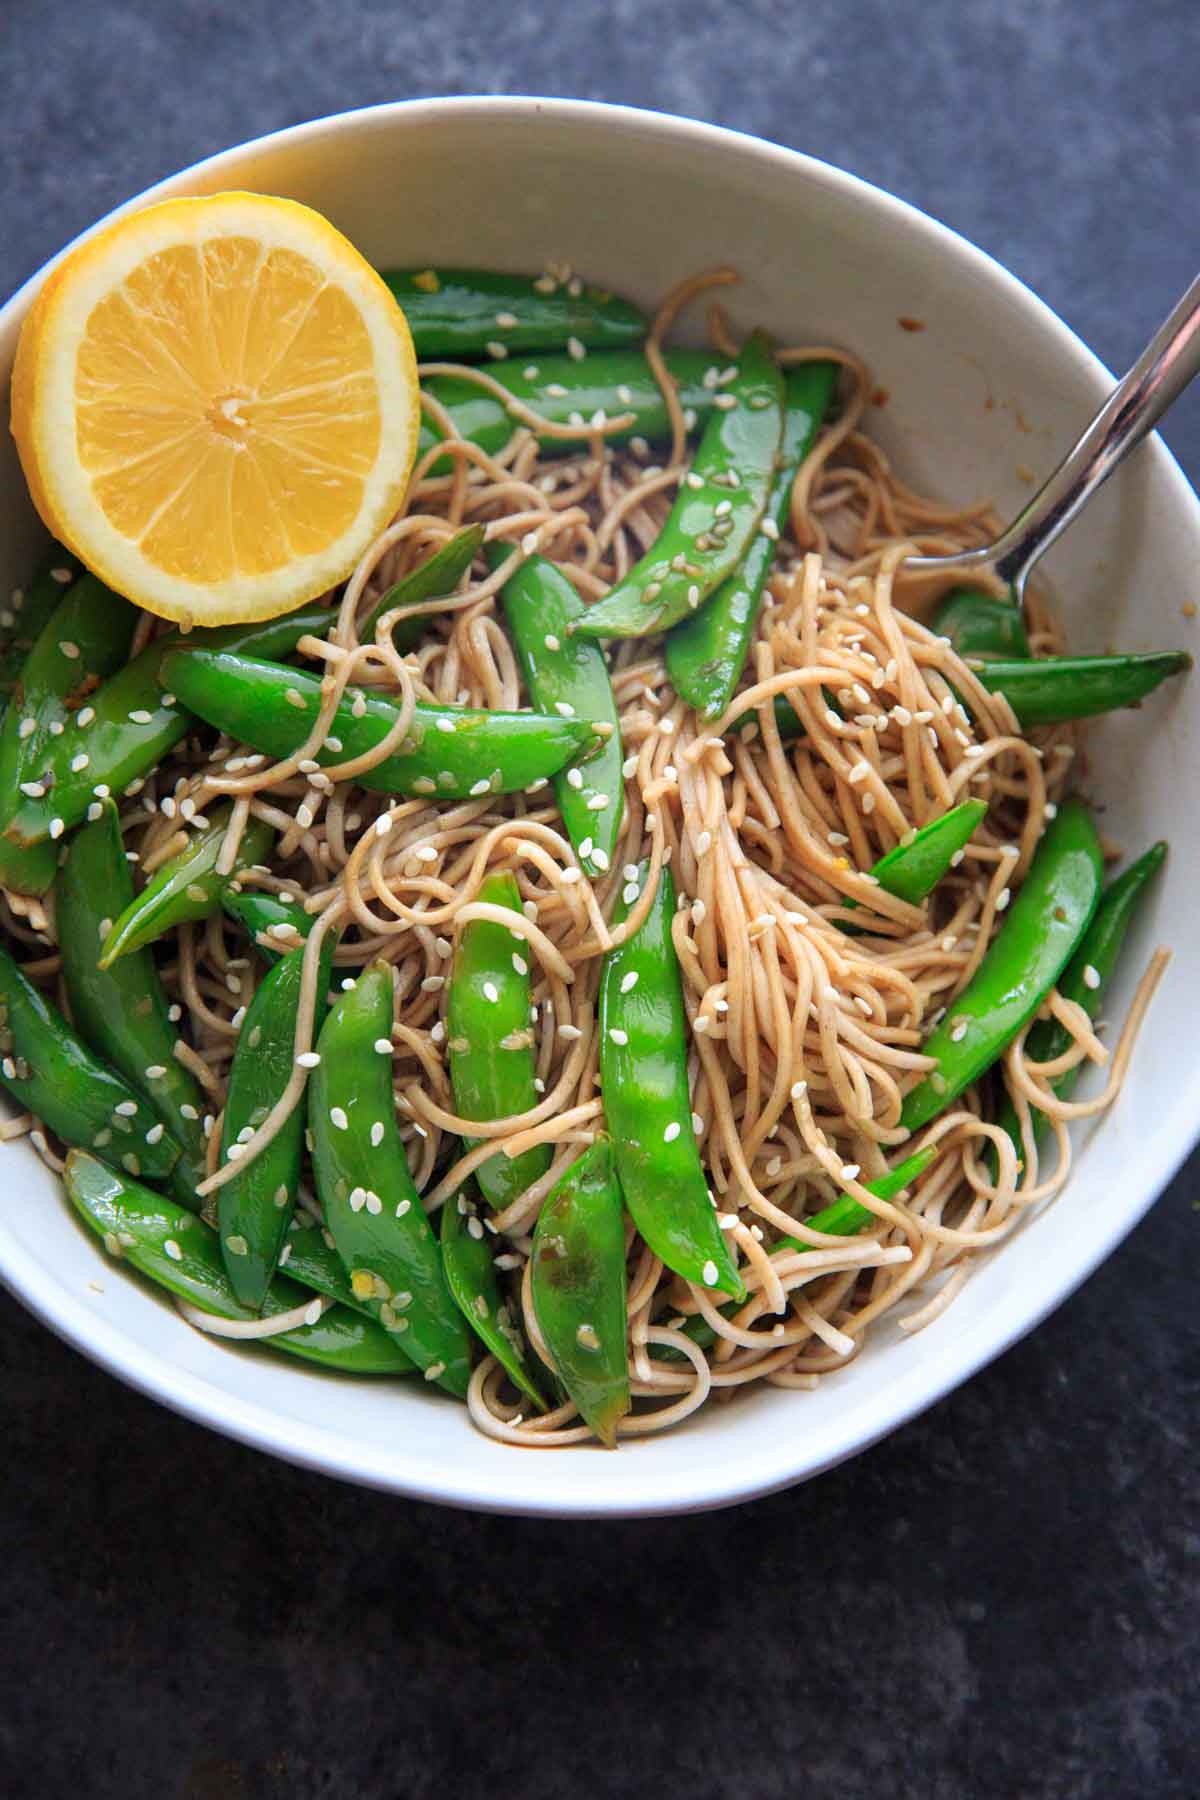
179	1252
28	609
845	1217
578	1280
471	1277
607	385
490	1040
718	509
980	624
130	723
450	751
52	1073
1086	978
371	1207
439	574
85	638
276	925
540	607
186	887
1041	930
643	1069
122	1011
1045	690
255	1207
912	870
468	313
707	652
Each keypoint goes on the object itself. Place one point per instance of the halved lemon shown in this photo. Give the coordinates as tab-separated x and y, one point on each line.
216	406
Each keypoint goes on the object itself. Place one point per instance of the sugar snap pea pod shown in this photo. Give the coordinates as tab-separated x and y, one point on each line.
179	1252
607	385
439	574
307	1257
845	1217
28	609
51	1072
540	606
450	751
372	1210
1085	979
471	1276
643	1068
122	1011
186	887
275	925
85	638
718	509
490	1040
467	313
255	1208
578	1280
1040	933
130	723
980	624
911	871
1045	690
707	652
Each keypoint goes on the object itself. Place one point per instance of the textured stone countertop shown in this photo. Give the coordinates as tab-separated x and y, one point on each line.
999	1600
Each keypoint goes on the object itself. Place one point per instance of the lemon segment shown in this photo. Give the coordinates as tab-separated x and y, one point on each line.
216	406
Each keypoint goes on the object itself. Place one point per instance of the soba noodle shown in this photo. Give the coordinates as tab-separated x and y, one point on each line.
803	1037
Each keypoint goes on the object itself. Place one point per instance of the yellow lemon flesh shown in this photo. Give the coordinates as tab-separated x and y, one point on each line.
216	406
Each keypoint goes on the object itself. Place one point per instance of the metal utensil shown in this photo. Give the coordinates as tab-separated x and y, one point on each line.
1136	404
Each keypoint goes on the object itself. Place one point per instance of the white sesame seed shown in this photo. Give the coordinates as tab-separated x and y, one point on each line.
125	1109
374	1203
726	402
671	1133
519	964
1091	976
377	1134
629	981
403	1207
309	1059
571	1032
618	1036
490	991
699	912
630	892
551	641
383	1046
710	1273
1003	898
564	709
958	1031
337	1116
574	779
575	349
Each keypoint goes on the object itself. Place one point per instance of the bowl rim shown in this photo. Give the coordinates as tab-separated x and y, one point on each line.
513	1487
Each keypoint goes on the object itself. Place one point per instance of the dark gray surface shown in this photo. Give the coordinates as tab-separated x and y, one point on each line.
1001	1600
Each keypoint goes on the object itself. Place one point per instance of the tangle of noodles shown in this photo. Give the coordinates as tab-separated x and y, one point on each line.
803	1038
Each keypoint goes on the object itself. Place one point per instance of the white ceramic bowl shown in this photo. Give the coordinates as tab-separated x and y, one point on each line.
994	384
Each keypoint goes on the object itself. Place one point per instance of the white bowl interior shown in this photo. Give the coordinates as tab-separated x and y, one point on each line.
992	388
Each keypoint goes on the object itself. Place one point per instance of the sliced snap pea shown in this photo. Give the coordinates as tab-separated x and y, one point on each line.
1041	930
439	574
979	624
467	313
52	1073
566	391
28	609
122	1011
845	1217
643	1068
1086	978
130	723
912	870
718	509
1045	690
490	1040
471	1277
179	1252
187	887
540	607
276	925
450	751
707	652
85	638
578	1279
371	1207
255	1208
